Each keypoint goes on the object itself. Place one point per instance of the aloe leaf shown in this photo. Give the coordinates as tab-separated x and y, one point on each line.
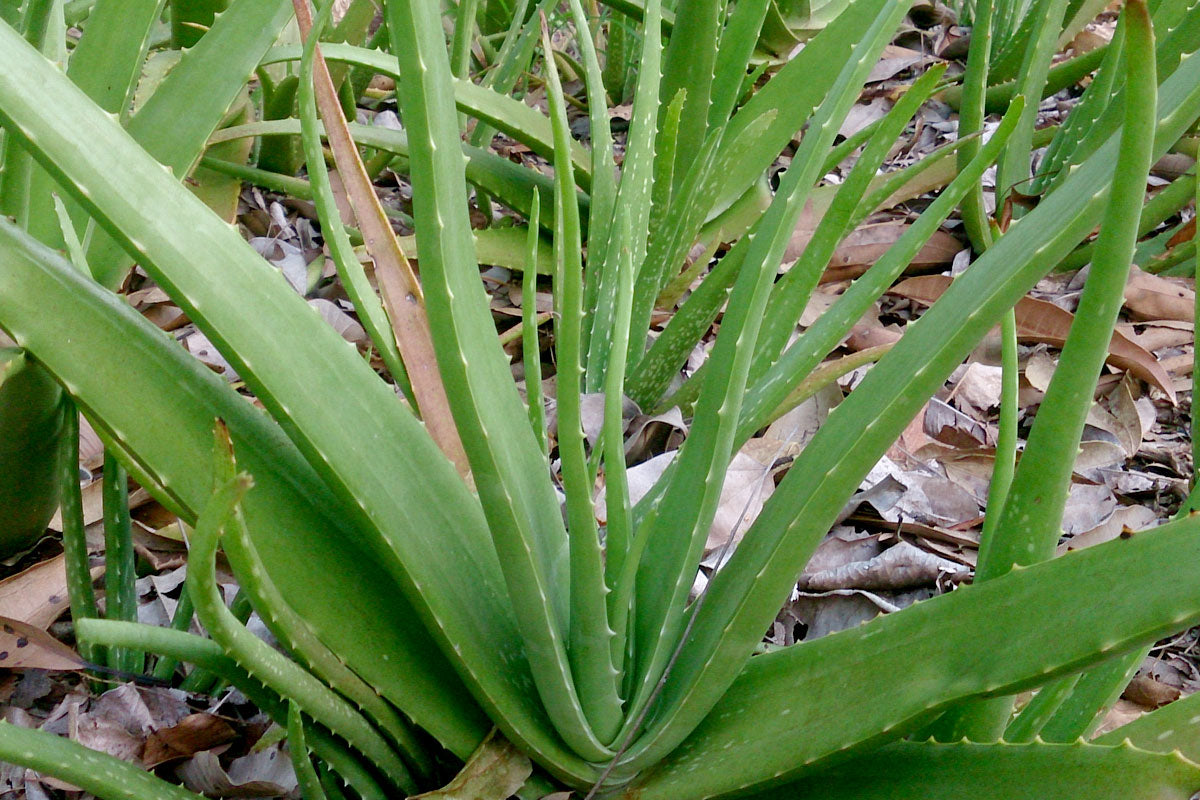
306	775
619	529
590	636
1031	519
737	47
794	91
1094	694
75	554
298	636
512	117
793	290
1002	771
31	425
675	543
635	193
530	343
290	503
105	65
1013	168
98	773
1026	726
1101	120
1174	727
747	593
350	271
604	183
120	572
517	498
274	669
764	730
460	45
689	64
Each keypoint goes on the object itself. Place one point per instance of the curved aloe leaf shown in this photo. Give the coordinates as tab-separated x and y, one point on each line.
274	669
99	773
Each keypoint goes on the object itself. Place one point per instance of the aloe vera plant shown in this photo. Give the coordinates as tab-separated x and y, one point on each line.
412	597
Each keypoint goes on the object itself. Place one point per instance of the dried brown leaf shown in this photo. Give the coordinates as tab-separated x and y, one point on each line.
1040	321
22	646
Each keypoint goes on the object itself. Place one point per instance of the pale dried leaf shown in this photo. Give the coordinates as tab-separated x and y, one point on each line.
267	773
22	646
495	771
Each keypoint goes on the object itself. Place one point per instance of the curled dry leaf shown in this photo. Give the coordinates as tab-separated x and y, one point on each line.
189	736
1039	321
